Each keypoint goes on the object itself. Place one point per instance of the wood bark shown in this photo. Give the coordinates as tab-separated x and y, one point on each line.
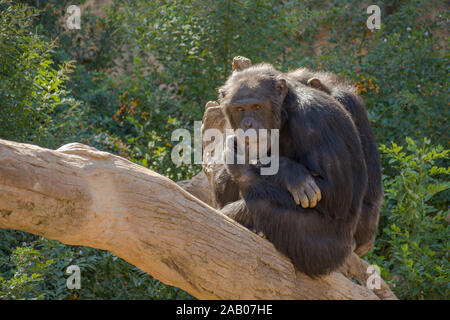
82	196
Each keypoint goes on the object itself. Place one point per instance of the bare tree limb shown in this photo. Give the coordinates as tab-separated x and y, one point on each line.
81	196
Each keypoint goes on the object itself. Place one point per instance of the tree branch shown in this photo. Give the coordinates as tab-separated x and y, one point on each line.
81	196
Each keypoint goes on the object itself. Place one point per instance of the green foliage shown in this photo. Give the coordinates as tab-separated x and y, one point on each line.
30	269
30	86
96	45
400	70
195	42
37	270
137	70
413	245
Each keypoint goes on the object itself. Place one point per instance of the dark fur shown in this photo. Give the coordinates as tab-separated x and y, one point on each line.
325	135
346	95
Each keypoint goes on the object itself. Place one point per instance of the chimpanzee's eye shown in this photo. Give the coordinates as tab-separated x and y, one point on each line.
240	109
256	107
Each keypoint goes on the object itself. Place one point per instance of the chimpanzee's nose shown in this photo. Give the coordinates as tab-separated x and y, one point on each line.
248	123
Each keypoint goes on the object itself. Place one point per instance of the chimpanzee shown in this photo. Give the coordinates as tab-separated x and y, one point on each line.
323	203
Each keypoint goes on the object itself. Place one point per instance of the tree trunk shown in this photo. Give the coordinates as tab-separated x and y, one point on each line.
81	196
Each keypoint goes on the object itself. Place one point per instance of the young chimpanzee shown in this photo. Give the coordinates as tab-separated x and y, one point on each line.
311	209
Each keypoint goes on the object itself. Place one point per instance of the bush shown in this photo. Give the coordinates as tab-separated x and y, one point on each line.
31	88
413	244
29	273
37	268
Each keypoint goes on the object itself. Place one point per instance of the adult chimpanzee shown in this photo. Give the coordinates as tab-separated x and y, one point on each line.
325	148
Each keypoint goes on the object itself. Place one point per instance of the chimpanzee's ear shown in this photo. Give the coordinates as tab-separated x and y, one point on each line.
315	83
281	88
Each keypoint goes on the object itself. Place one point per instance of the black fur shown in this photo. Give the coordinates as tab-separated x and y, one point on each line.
324	135
346	95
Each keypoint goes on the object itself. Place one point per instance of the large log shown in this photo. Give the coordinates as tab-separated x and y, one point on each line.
81	196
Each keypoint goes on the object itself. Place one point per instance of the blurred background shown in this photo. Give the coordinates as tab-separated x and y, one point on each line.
137	70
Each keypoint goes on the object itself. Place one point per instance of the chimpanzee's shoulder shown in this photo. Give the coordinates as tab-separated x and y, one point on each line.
304	100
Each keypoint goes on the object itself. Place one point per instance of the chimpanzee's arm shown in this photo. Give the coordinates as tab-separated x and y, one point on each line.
291	176
328	144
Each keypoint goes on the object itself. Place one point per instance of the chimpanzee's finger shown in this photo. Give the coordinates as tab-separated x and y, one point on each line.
311	196
296	196
317	191
303	199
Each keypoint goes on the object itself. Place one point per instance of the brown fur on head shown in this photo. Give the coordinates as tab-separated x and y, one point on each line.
253	98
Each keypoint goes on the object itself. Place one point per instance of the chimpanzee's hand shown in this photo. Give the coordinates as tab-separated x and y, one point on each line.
304	190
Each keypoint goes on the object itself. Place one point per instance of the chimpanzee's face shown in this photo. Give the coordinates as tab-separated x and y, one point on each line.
250	108
249	112
252	100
